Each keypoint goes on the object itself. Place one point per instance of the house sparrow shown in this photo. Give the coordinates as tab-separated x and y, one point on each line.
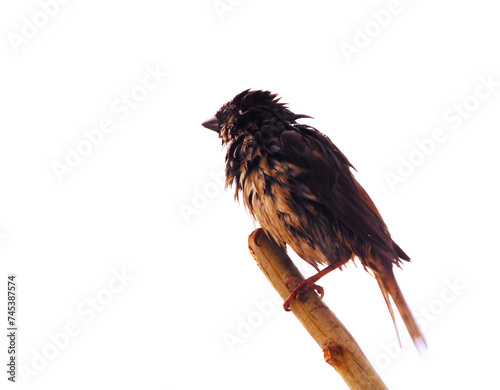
300	188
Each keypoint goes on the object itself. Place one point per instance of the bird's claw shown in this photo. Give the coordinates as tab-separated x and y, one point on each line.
300	288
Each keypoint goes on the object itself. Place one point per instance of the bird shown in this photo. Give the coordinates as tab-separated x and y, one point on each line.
301	189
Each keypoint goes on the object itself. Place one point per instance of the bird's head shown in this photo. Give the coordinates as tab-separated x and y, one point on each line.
250	112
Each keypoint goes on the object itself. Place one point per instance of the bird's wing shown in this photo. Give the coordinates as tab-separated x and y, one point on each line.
326	171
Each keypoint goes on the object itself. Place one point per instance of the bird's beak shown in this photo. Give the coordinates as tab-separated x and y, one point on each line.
212	124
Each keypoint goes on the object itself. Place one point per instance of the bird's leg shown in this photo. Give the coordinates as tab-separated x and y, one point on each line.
307	284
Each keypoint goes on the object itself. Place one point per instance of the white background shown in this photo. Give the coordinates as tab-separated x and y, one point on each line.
192	282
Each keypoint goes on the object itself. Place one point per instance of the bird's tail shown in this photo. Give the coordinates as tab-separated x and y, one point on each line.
389	287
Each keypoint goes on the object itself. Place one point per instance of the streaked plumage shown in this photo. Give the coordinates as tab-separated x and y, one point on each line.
300	188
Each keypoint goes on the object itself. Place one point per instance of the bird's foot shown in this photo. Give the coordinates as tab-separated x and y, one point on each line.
301	287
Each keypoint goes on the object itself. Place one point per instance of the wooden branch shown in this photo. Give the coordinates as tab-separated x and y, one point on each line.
340	349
